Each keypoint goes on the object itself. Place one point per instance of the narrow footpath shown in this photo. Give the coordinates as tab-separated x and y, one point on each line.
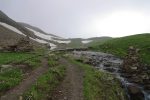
72	86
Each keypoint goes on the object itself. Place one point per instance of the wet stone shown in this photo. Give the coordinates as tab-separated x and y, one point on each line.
135	93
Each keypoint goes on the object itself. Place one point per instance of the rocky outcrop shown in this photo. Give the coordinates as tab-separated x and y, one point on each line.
4	68
23	45
47	45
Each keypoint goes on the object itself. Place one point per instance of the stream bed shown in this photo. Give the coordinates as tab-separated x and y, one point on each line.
113	64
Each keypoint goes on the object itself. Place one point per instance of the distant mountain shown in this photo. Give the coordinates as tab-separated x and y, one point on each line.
11	31
7	22
38	29
79	42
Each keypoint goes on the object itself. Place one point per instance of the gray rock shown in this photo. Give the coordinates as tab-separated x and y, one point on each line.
135	93
5	68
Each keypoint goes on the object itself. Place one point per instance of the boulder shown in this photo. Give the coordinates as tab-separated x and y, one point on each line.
1	48
107	64
24	45
135	93
5	67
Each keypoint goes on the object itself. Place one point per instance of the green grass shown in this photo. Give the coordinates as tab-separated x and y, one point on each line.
10	78
32	59
13	57
99	85
119	46
77	42
34	62
98	40
47	82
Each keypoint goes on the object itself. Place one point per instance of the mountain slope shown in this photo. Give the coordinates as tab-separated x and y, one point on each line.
38	29
5	20
12	31
48	38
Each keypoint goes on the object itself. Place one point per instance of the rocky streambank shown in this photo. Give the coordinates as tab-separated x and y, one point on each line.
133	75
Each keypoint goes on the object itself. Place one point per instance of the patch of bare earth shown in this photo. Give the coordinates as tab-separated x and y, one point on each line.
72	86
15	93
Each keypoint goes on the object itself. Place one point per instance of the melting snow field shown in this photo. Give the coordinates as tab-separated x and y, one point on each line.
87	41
11	28
38	40
47	37
53	46
59	41
44	36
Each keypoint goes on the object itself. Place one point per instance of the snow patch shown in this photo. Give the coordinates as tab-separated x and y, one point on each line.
86	41
47	37
39	34
38	40
53	46
11	28
60	41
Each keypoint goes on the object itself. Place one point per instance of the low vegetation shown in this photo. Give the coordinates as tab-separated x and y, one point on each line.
47	82
34	62
98	40
10	74
100	85
119	46
77	42
9	57
9	78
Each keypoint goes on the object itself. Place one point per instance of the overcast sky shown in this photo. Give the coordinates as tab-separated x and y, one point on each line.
82	18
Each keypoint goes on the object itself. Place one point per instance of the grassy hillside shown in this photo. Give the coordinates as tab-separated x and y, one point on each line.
77	42
98	40
119	46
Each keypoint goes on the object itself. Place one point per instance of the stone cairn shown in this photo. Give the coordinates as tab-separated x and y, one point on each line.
134	70
131	62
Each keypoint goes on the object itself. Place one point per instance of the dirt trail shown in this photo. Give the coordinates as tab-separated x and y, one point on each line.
72	86
14	93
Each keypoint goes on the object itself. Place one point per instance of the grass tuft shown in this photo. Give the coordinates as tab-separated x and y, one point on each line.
47	82
9	79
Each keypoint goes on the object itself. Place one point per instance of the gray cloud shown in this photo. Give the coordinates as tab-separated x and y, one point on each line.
68	18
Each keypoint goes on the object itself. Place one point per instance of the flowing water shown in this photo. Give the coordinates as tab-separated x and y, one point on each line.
112	64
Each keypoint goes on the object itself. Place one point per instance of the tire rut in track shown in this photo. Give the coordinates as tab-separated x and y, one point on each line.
72	86
13	94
